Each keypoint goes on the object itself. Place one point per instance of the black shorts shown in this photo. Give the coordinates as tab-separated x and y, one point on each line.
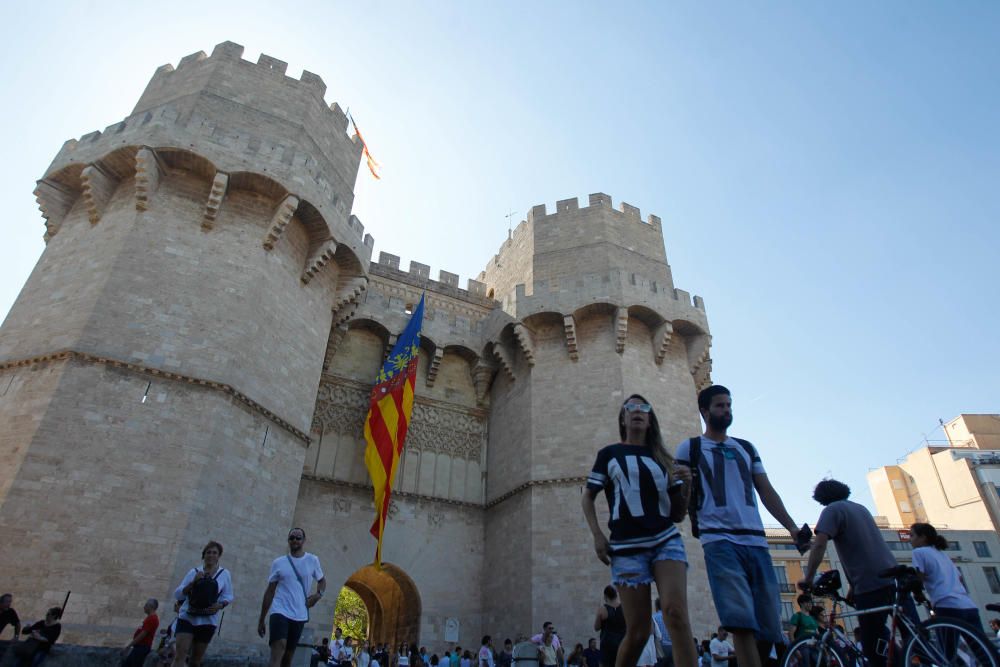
202	633
285	628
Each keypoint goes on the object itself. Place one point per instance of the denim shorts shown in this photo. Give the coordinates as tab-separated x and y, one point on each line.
640	563
745	589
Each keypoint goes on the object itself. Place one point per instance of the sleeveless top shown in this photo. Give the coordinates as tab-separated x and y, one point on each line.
612	633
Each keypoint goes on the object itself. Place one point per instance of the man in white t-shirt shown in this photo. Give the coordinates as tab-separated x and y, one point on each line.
721	650
287	598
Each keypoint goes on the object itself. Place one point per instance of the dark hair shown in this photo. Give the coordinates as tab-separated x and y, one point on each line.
507	641
706	395
609	592
486	639
830	491
300	530
6	596
211	544
802	599
929	532
653	440
55	612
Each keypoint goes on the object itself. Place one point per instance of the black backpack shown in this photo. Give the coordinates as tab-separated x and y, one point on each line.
697	493
204	593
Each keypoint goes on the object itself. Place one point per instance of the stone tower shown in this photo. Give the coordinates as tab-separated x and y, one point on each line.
596	318
160	366
192	357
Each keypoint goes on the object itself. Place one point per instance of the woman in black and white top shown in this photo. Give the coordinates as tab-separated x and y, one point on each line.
647	494
195	624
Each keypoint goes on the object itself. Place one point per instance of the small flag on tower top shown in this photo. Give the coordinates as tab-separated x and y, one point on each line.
373	165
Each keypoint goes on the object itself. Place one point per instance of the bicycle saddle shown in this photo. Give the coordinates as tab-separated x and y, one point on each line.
897	571
826	583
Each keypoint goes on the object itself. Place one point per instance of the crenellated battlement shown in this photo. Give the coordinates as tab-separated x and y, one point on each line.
229	54
419	274
595	200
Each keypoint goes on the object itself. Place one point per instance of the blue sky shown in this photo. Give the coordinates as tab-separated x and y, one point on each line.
827	173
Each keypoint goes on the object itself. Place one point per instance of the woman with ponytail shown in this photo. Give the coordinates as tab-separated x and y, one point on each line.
647	494
940	576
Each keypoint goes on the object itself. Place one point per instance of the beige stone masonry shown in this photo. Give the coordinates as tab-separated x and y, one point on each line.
526	342
621	329
282	215
323	255
569	326
661	341
148	172
98	186
54	201
215	196
434	366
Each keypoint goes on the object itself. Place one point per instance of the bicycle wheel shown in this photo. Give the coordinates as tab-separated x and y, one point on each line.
811	652
949	642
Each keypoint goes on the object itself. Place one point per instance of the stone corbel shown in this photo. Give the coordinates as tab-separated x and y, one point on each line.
661	341
319	260
699	361
54	201
482	378
337	335
500	352
349	291
215	196
98	186
569	325
621	329
148	172
526	341
282	215
432	368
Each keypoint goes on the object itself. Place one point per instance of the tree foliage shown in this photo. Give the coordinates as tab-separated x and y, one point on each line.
351	615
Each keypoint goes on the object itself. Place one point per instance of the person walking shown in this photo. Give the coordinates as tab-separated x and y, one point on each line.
142	639
665	649
610	622
941	578
646	494
863	555
486	652
202	594
730	476
288	600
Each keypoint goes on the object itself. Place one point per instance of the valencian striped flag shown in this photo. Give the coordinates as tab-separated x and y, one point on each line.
388	417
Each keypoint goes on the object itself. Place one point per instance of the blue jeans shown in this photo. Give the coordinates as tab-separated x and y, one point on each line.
745	589
640	564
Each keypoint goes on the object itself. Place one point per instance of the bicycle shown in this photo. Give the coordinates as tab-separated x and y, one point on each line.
937	642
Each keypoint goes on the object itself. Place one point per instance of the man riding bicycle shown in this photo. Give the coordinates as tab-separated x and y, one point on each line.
864	555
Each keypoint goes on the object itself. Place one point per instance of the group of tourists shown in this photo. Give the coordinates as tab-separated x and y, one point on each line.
715	480
206	591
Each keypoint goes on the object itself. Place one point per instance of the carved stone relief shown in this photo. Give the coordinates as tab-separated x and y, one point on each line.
342	408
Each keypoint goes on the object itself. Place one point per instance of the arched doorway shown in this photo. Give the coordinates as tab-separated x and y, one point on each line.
392	601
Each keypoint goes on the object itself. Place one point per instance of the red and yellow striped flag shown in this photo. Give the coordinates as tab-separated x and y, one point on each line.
373	165
389	411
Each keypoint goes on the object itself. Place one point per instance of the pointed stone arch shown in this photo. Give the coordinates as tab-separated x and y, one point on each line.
392	600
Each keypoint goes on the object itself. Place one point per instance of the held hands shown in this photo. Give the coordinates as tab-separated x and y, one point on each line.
683	473
803	538
602	547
